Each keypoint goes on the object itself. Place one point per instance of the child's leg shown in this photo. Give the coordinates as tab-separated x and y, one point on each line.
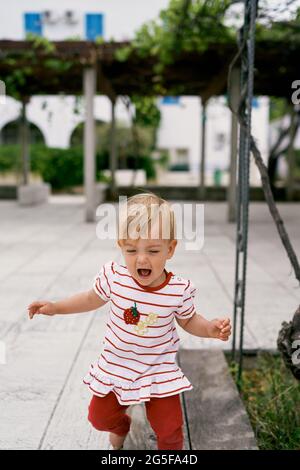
106	414
165	418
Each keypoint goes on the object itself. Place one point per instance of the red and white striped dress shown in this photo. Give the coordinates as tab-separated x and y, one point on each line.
138	362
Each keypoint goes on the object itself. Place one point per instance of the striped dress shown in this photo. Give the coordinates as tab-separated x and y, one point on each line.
138	360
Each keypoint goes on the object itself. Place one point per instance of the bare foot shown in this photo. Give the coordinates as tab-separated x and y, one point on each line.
116	441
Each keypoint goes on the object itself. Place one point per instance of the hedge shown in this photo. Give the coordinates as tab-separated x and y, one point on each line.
63	168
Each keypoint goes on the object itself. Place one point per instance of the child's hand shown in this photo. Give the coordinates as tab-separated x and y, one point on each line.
220	328
41	307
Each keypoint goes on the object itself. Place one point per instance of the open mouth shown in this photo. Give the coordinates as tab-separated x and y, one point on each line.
144	273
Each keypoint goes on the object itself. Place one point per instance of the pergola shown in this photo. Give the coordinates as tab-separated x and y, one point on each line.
93	69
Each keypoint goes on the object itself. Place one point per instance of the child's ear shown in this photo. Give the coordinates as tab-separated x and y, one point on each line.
171	248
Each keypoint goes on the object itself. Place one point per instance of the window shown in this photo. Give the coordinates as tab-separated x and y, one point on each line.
255	103
182	156
170	100
220	141
93	26
33	23
180	160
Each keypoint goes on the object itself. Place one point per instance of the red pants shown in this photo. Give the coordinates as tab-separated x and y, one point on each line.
164	416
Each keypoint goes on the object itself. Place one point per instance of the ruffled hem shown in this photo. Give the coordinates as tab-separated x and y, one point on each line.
136	392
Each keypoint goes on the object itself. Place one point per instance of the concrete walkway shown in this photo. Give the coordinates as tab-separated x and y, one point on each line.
214	415
48	252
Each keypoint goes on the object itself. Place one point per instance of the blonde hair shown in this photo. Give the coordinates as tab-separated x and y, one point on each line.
144	212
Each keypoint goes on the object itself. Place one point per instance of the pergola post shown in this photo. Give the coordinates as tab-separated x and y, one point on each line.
291	158
234	96
113	151
203	151
24	143
89	88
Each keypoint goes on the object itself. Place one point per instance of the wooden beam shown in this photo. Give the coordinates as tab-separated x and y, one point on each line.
217	83
106	85
202	74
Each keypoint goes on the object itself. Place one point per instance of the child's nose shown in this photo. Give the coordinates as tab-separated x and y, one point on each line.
142	259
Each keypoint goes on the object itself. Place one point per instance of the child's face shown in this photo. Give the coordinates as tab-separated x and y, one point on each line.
146	258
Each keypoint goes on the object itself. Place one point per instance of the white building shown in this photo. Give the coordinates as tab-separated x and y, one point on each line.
180	130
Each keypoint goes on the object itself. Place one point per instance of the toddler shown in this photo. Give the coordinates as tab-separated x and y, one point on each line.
138	359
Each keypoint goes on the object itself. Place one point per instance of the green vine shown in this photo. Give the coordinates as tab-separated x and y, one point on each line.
23	64
188	26
147	113
40	42
184	27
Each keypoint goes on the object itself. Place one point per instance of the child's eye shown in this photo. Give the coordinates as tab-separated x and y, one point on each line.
154	251
130	251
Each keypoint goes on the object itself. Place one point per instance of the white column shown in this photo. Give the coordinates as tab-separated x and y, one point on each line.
203	151
291	157
24	142
113	152
89	87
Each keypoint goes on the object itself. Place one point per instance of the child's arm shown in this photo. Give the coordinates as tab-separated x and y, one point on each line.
197	325
82	302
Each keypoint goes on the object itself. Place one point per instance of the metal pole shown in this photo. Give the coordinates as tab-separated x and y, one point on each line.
248	35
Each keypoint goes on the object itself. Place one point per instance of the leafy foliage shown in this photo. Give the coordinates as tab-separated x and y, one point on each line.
272	398
147	114
124	143
272	29
63	168
185	26
278	108
21	73
191	26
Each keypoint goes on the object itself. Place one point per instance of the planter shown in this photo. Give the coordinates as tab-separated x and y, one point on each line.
101	192
33	194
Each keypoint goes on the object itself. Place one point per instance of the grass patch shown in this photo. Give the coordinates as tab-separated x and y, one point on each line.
272	399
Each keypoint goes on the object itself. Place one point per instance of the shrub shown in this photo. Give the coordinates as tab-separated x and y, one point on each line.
9	158
63	168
